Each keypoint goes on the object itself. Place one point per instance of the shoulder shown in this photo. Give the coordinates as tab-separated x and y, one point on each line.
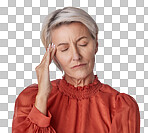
124	100
28	94
126	108
33	88
117	98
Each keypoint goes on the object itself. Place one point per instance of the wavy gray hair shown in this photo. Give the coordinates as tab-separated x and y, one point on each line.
66	15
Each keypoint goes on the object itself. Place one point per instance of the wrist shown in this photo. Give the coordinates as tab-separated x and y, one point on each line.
42	97
43	94
41	104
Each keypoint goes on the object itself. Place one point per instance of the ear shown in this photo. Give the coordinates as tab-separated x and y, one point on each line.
96	50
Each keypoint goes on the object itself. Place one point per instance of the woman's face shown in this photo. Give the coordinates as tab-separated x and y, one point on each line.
74	46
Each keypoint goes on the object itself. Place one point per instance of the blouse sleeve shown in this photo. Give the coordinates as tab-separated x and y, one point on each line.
27	118
127	117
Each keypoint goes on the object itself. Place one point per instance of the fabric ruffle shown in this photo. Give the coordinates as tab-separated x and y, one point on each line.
80	91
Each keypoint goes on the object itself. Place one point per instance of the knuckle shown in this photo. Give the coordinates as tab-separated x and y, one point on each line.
36	68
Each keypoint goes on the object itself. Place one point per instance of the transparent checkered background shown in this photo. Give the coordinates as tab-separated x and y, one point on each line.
121	60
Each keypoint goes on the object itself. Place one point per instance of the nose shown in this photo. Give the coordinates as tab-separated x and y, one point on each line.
76	54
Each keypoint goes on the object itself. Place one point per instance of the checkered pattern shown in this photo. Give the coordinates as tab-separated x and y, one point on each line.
121	60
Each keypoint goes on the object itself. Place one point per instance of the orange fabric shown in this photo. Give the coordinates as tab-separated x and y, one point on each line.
93	108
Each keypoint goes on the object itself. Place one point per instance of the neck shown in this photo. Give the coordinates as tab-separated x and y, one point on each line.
80	81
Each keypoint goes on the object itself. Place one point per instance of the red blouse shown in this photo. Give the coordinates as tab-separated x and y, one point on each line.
93	108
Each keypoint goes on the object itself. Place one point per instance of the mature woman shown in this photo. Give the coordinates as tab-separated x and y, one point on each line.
79	102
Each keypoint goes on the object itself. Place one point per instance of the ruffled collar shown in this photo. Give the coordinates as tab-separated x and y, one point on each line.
80	92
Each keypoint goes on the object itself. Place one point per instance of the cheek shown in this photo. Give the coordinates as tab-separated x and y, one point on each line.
62	59
88	53
91	57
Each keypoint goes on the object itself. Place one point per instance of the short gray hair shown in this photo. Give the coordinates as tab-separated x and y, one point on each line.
66	15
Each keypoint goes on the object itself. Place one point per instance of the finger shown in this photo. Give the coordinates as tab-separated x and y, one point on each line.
48	57
47	49
49	46
53	52
43	62
44	57
46	53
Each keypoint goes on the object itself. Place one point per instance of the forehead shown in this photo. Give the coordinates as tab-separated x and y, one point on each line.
72	31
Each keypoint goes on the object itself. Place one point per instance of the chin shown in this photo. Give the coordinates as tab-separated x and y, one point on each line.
80	74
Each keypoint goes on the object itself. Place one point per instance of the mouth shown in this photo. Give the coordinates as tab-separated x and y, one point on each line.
80	65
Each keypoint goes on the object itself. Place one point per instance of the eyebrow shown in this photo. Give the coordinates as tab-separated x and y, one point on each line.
76	41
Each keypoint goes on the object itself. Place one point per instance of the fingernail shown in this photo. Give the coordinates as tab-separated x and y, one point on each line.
52	44
49	45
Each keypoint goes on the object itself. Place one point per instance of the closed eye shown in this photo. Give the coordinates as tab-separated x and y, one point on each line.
79	45
83	45
64	50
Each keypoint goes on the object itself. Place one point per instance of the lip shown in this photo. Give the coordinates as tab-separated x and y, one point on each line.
78	65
